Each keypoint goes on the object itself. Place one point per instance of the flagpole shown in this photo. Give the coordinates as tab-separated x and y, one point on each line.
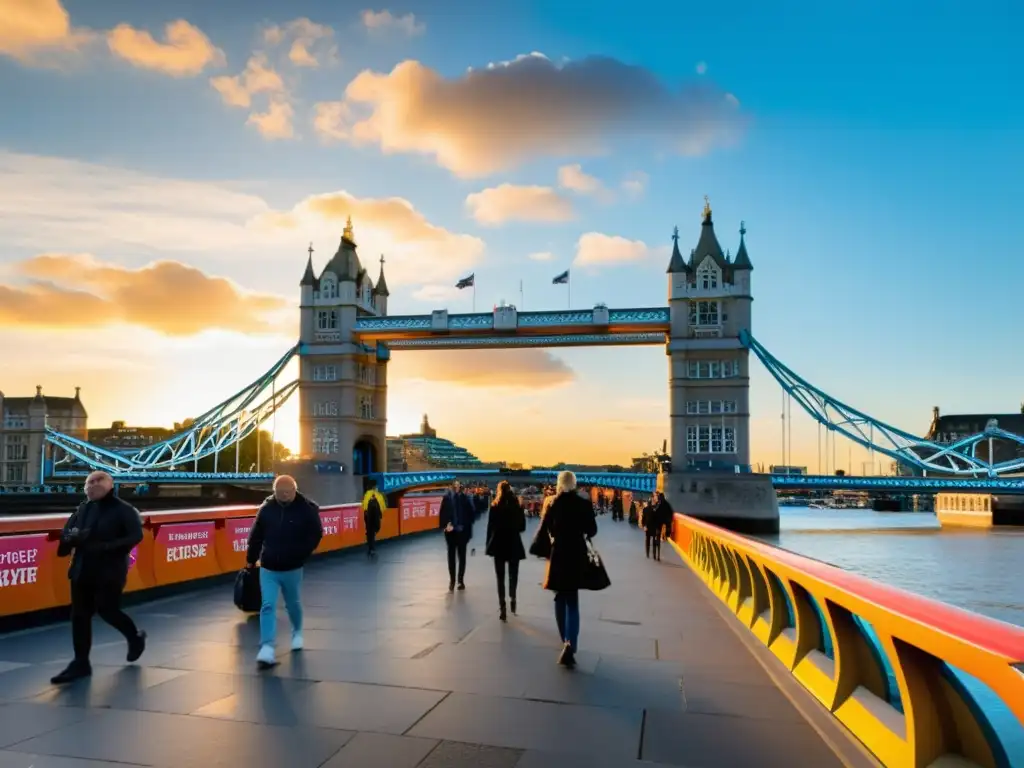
568	284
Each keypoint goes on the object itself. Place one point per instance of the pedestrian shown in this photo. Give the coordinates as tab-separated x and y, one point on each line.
457	522
286	532
100	537
505	523
373	512
657	516
617	508
568	523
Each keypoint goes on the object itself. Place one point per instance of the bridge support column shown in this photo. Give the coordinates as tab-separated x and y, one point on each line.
745	503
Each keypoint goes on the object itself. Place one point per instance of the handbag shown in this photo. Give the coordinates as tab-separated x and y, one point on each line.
248	595
541	544
595	575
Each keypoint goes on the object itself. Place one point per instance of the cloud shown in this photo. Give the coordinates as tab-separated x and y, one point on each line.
417	251
257	77
542	256
385	21
311	43
187	52
511	202
635	184
572	177
435	293
595	249
487	368
33	30
330	120
76	291
276	122
492	119
701	68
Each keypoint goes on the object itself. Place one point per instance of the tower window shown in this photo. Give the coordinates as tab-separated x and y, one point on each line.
328	287
327	320
707	276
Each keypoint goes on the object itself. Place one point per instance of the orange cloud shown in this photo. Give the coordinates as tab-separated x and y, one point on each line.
495	118
276	122
417	251
511	202
31	28
166	296
310	42
635	184
186	52
385	21
257	77
487	368
573	177
595	249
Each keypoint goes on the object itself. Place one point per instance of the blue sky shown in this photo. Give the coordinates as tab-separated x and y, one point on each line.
876	157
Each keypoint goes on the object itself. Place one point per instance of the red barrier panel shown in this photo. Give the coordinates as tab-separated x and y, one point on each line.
184	551
232	541
388	524
419	513
342	527
28	572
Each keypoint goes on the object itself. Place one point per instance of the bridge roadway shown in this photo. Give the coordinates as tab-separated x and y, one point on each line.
398	673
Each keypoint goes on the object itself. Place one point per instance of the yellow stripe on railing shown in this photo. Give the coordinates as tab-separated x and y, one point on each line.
815	618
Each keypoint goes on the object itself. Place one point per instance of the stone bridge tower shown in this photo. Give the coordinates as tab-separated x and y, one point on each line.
342	382
710	300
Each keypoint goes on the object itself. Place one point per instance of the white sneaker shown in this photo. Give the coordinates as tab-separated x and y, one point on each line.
297	644
265	658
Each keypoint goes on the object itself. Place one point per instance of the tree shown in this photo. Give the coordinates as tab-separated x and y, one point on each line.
249	451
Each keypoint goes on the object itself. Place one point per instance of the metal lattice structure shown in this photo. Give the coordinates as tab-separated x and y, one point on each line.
957	458
221	427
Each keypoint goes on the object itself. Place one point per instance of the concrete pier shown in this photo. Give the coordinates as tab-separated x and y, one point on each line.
745	503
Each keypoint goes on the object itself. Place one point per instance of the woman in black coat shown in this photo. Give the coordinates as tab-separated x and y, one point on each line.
504	524
568	523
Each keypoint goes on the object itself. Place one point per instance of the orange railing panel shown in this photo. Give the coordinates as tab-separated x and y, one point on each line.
840	635
419	513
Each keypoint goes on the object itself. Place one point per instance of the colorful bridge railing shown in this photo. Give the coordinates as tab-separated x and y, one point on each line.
178	546
919	682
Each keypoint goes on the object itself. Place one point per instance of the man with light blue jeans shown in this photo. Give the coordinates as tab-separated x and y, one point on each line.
286	532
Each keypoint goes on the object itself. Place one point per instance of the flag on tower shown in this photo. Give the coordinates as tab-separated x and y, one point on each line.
466	282
561	279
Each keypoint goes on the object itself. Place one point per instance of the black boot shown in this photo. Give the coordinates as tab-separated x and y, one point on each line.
503	616
451	586
513	606
567	658
136	647
76	670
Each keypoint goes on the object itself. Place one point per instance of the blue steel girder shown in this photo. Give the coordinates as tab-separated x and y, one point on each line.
530	340
897	484
222	426
389	482
227	478
958	458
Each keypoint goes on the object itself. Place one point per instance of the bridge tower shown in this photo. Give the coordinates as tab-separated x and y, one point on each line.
342	382
710	301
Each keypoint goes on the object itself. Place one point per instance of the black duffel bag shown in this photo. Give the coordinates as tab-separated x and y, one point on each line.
248	596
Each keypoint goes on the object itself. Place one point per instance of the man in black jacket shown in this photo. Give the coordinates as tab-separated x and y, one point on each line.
99	536
286	532
457	522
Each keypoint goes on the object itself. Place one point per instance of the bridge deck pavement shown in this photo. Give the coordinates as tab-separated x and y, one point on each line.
398	673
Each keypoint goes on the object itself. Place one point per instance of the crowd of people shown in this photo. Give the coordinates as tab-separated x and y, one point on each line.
101	534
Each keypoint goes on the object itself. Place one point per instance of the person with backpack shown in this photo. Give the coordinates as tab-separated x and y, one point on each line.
373	512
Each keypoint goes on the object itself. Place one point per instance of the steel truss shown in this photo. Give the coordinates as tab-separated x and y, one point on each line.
221	427
958	458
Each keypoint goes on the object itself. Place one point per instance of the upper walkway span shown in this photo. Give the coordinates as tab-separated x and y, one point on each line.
397	672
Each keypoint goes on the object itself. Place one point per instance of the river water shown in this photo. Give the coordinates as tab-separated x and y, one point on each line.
980	570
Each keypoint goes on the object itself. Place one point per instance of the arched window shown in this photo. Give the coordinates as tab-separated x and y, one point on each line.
328	287
707	276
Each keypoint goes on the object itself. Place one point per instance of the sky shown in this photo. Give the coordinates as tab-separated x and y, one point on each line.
165	165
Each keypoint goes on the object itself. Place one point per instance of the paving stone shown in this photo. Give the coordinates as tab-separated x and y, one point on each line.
118	685
535	759
450	754
22	760
382	750
19	722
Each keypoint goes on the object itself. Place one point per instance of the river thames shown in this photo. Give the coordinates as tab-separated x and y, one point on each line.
978	570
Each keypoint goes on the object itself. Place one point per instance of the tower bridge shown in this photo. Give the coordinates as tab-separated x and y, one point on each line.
347	338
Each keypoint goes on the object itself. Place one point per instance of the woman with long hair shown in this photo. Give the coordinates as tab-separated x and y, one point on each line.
568	523
504	524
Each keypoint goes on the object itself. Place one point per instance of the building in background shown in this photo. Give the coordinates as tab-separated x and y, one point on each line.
780	469
23	423
123	439
425	450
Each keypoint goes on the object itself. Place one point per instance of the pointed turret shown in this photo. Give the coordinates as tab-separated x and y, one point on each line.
708	244
676	263
381	289
742	260
309	277
345	263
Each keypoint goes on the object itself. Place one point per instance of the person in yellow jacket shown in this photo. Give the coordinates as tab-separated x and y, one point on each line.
373	512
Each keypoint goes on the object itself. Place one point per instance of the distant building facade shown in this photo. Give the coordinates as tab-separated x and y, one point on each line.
122	438
425	450
23	423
